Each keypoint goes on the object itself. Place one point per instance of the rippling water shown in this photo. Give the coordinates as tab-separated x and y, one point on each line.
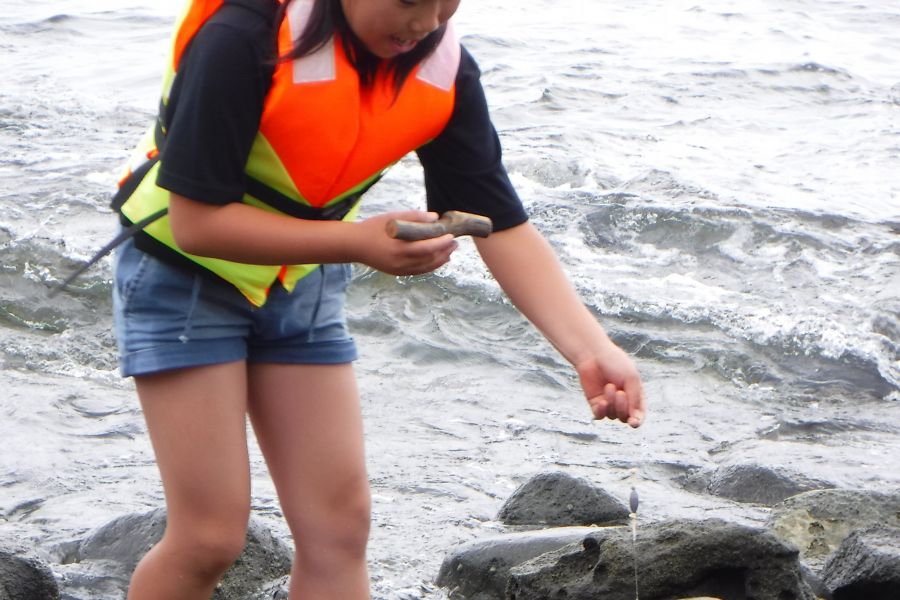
722	183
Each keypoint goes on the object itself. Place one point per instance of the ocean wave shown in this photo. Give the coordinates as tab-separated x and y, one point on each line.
782	284
83	24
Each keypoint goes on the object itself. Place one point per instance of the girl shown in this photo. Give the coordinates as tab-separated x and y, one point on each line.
275	118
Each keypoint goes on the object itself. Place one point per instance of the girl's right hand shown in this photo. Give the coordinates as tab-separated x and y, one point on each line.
398	257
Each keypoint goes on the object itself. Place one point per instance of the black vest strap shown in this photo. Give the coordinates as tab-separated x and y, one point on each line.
333	212
131	183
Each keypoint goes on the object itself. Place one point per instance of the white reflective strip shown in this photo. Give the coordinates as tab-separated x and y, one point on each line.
318	66
440	68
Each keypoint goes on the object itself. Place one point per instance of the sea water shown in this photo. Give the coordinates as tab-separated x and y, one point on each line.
720	180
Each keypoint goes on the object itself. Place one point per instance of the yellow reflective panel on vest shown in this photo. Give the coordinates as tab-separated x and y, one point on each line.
252	280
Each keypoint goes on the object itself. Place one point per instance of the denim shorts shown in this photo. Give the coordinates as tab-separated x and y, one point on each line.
169	317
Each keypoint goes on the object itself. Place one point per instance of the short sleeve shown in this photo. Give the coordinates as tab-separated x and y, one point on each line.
463	166
215	108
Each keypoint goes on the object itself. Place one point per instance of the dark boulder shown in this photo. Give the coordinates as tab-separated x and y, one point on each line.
675	559
866	566
479	570
23	576
559	499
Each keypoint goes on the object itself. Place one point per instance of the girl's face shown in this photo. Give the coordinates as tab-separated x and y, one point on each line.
389	28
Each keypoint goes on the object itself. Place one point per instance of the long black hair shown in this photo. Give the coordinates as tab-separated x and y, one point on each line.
327	18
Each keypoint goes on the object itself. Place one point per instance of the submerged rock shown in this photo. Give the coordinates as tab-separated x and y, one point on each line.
751	483
818	522
100	565
559	499
866	566
24	576
675	559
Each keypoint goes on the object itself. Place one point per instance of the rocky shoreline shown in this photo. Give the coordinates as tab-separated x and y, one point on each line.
566	538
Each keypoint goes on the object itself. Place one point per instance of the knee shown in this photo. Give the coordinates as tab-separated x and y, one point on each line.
210	546
350	525
336	530
219	549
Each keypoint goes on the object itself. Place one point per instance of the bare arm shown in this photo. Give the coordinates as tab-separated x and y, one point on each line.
247	234
528	271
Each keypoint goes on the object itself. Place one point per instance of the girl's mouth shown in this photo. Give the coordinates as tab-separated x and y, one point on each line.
401	45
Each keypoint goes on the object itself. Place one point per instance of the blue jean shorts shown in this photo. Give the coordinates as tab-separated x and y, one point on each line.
168	317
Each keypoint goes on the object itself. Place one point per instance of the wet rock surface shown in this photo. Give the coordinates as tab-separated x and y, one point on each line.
675	559
866	566
480	570
556	498
751	483
24	576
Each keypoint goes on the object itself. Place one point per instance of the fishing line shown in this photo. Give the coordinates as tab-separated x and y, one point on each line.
633	502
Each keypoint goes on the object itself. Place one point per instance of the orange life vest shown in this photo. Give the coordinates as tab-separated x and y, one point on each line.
322	139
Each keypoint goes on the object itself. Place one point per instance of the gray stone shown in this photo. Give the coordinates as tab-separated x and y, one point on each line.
695	480
479	570
23	576
105	559
124	540
818	522
760	485
866	566
674	559
274	590
559	499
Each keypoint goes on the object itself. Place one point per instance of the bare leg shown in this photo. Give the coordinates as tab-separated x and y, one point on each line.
308	423
197	423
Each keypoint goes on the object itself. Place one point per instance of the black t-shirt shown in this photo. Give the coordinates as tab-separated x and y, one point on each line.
217	100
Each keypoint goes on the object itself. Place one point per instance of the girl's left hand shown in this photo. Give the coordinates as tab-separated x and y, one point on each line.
612	385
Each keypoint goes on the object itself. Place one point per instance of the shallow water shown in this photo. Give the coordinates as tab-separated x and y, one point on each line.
721	184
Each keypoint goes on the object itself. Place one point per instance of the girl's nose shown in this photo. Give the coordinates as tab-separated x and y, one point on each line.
427	18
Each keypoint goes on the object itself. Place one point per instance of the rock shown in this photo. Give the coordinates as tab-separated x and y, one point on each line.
479	570
818	522
866	566
695	480
123	540
675	559
760	485
558	499
24	576
275	590
92	580
814	580
102	562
